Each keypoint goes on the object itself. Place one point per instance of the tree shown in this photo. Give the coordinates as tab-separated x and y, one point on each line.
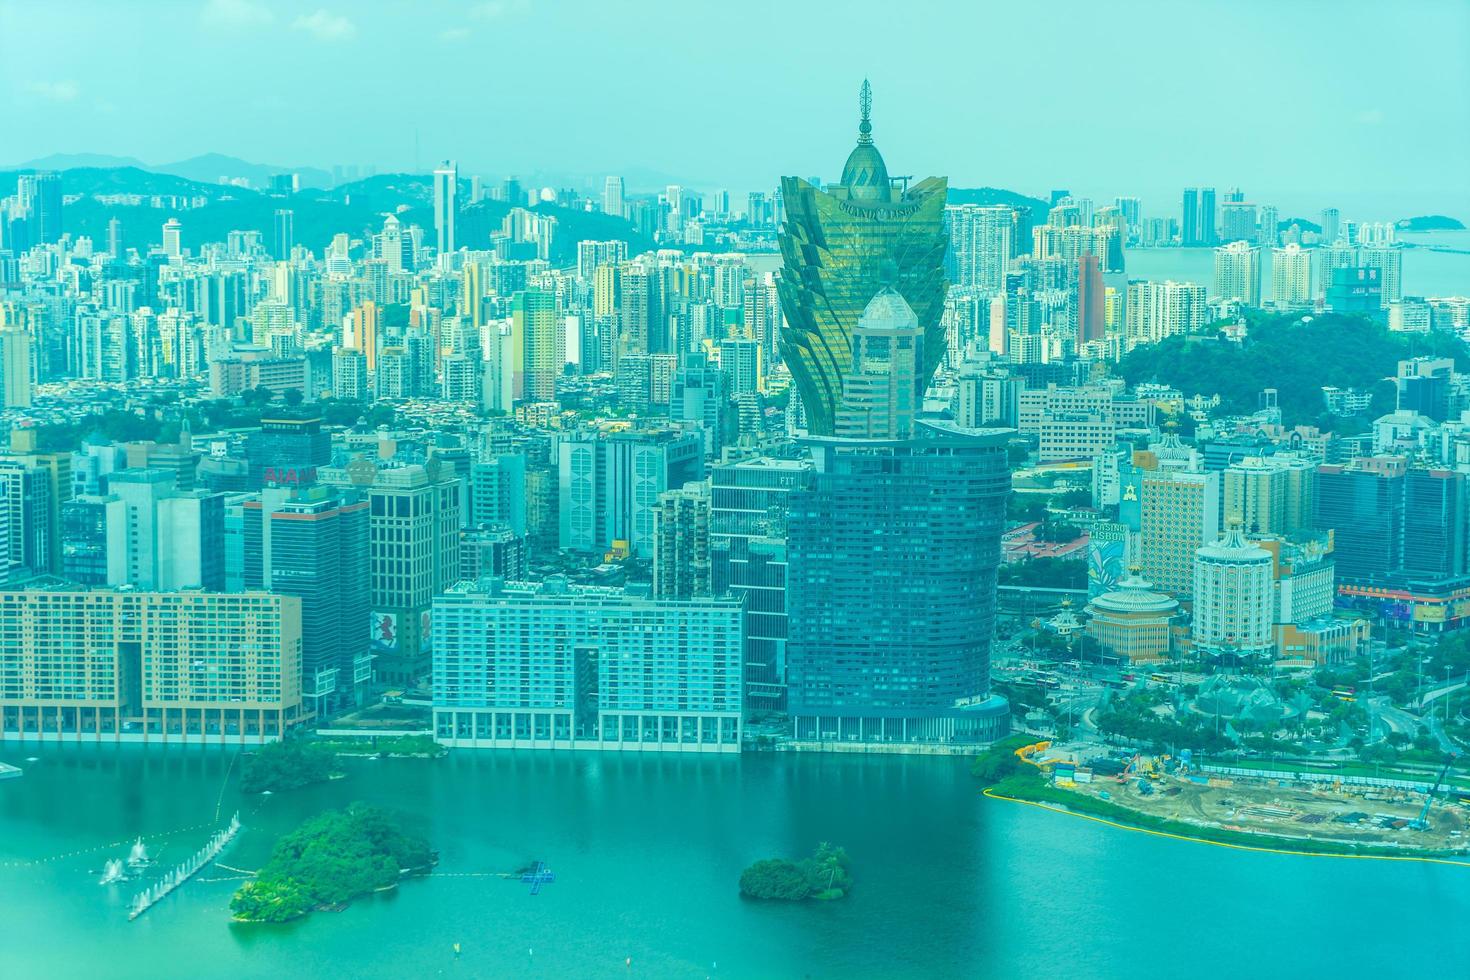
775	879
294	397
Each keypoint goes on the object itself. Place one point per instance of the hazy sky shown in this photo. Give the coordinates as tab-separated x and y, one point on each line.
1302	103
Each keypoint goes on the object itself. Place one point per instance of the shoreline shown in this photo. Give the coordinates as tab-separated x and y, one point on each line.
1263	849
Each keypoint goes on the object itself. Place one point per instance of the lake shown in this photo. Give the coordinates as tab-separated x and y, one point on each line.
647	852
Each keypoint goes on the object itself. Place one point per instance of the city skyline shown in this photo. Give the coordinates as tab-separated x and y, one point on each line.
1341	144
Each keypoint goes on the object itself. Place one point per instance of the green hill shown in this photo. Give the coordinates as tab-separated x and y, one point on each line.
1296	358
997	195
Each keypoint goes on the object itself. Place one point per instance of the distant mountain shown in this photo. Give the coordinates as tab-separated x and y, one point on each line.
997	195
210	167
1301	223
68	161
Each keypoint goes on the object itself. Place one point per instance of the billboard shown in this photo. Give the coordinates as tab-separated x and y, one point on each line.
384	633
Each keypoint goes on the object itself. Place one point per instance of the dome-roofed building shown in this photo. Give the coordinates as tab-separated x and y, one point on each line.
1133	622
1233	598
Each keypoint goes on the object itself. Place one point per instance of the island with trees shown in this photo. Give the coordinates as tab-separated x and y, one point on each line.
329	861
1431	222
823	876
285	765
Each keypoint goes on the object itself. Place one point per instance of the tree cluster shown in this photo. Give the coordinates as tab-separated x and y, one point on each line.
824	875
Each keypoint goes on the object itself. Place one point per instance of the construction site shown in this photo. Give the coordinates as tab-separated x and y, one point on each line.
1305	807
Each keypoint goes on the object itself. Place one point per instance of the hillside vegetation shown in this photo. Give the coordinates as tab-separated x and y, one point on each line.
1296	358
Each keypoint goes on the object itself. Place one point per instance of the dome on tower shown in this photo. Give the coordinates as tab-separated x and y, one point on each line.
865	175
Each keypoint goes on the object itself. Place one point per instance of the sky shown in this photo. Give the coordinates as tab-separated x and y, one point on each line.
1303	104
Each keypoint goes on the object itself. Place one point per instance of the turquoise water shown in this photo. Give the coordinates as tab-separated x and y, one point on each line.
647	852
1426	273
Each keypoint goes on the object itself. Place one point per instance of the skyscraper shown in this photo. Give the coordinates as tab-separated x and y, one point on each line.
612	196
40	198
879	397
893	549
839	247
283	234
537	331
980	246
1091	300
1189	218
1207	232
446	188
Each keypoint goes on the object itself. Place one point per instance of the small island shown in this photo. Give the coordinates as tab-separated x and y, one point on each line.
288	764
329	861
823	876
1431	222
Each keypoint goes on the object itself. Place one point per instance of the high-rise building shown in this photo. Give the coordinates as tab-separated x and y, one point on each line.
173	231
1291	276
681	545
1238	273
839	247
980	246
136	666
556	666
314	544
1091	300
612	196
1362	504
1331	225
749	503
414	555
1269	494
446	206
283	234
1208	232
1156	310
40	198
286	451
350	375
1238	222
537	329
1189	223
17	366
894	547
1179	512
175	537
880	395
1234	605
498	491
26	528
609	484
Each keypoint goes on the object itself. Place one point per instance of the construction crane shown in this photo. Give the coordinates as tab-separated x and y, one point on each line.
1421	822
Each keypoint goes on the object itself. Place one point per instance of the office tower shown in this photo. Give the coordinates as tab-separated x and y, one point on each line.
609	484
17	366
446	206
893	550
26	529
1234	605
699	394
1426	387
1354	289
1156	310
115	245
94	540
493	551
283	234
1189	223
172	238
612	196
349	375
286	451
314	545
39	196
138	666
681	543
841	245
1331	225
554	665
1179	512
511	192
880	394
498	491
1238	273
1291	276
537	330
1362	504
749	503
980	246
414	548
1091	298
174	536
1207	228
